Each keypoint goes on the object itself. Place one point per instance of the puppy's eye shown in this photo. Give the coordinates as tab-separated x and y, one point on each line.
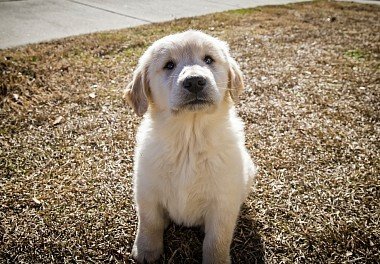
208	59
169	65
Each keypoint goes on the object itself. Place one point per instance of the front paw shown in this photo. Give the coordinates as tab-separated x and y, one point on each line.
142	252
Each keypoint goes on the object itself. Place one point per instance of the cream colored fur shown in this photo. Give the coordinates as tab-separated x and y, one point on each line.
191	165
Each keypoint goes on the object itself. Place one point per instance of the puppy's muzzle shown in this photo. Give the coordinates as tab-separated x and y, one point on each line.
194	84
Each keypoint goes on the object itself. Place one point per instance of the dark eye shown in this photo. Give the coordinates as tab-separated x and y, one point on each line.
169	65
208	59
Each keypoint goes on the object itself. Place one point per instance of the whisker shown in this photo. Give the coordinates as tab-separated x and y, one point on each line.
174	75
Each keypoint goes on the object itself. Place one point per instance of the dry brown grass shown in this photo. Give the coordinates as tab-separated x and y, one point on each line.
311	109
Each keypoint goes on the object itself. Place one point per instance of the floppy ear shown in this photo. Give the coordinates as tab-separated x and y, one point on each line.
235	80
136	93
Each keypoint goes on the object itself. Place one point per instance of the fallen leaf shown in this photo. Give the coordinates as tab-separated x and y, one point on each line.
36	200
58	120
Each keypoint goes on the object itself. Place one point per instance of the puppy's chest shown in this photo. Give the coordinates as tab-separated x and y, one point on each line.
189	178
185	202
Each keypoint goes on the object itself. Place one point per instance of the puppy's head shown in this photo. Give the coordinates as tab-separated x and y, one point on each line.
189	71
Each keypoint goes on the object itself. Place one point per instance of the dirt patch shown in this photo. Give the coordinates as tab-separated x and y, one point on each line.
311	109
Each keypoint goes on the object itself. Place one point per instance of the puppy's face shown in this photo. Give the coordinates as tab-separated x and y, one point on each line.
189	71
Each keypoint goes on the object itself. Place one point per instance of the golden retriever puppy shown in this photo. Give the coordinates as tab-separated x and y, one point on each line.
191	165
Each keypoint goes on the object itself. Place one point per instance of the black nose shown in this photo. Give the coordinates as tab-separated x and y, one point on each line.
194	84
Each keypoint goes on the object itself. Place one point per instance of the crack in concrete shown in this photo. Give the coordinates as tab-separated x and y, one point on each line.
225	4
110	11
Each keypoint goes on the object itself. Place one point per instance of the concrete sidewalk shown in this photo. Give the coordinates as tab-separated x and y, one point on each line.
31	21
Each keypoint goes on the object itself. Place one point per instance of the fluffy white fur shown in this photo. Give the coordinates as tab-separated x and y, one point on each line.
191	165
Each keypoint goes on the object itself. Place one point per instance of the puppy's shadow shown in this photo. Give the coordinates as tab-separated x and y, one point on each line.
184	245
247	245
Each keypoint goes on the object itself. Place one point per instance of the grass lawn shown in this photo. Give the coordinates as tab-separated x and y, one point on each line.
311	109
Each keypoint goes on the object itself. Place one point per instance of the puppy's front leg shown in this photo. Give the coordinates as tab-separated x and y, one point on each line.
219	230
148	244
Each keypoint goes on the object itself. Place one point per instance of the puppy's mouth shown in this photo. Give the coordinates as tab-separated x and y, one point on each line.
194	104
197	101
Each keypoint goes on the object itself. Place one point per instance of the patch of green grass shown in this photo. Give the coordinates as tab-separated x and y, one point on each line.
355	54
244	11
